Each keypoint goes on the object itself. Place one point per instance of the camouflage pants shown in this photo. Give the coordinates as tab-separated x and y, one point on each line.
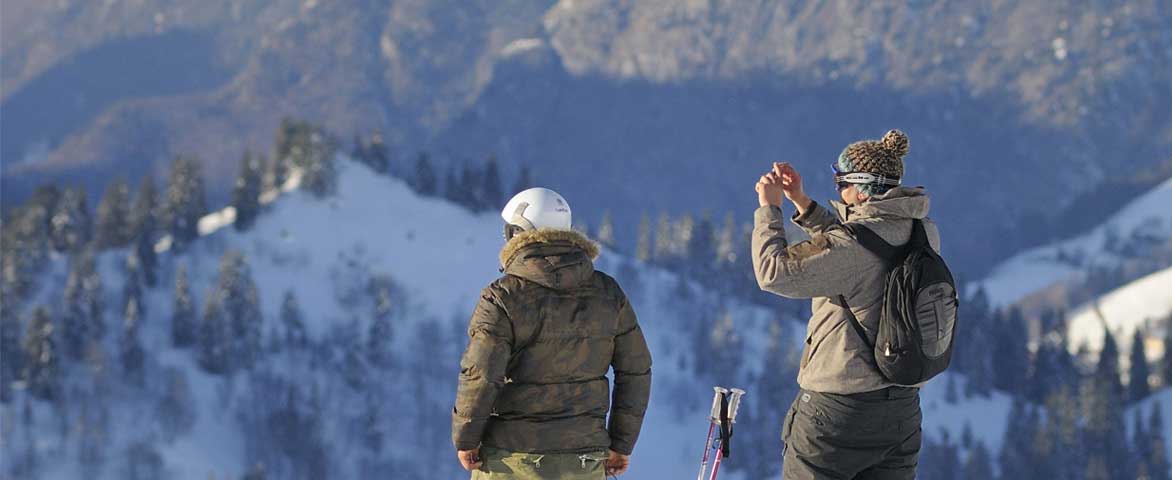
505	465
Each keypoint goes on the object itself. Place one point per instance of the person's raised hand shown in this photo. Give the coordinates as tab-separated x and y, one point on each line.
617	463
470	459
769	190
791	184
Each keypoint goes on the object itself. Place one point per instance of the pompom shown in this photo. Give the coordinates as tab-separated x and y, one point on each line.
896	142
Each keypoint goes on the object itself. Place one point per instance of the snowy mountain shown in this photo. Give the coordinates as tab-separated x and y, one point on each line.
1144	304
618	91
1140	226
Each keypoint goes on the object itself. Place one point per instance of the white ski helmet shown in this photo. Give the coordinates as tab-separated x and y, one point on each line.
537	208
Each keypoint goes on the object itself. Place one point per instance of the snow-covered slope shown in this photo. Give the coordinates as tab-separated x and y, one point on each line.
983	416
1146	217
1143	303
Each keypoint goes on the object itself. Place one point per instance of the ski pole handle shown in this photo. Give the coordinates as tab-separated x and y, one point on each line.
715	414
734	403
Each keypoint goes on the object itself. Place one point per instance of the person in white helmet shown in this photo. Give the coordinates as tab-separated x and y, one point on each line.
533	396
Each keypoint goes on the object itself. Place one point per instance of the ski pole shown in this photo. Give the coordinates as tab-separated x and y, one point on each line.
713	418
729	403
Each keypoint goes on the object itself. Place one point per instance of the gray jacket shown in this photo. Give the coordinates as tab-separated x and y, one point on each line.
832	263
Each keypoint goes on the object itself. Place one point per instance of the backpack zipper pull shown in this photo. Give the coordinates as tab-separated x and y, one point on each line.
887	350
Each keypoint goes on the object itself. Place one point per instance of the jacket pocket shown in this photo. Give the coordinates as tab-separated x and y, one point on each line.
814	343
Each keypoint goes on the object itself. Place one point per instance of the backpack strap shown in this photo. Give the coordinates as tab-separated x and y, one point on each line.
874	243
850	317
919	236
887	252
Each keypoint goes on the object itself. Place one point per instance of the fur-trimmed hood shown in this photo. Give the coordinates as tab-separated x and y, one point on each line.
554	258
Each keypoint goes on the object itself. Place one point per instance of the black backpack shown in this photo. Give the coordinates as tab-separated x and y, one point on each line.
918	321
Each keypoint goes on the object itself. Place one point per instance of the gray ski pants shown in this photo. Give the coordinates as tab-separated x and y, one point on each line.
864	436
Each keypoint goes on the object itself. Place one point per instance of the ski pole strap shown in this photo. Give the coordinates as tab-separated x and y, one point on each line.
850	317
725	426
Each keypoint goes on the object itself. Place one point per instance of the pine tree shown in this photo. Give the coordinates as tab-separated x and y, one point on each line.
236	303
643	244
354	370
246	192
978	466
143	213
701	249
70	225
775	388
82	322
966	436
939	460
1166	361
311	150
663	239
184	203
183	328
452	186
721	341
1157	461
358	151
378	337
1015	458
1107	369
1137	385
683	232
143	229
142	462
10	352
41	371
113	216
491	196
130	347
1062	452
469	194
214	338
1010	353
1104	429
94	437
276	173
424	180
175	410
1052	366
148	261
24	247
132	288
726	246
377	154
524	180
605	233
1142	445
295	336
257	472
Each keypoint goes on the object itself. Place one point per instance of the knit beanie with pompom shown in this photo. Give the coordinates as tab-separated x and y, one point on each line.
880	157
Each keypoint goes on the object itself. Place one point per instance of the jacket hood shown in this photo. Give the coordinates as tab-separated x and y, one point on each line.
553	258
899	202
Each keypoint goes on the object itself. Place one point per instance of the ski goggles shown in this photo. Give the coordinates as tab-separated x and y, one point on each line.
843	180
